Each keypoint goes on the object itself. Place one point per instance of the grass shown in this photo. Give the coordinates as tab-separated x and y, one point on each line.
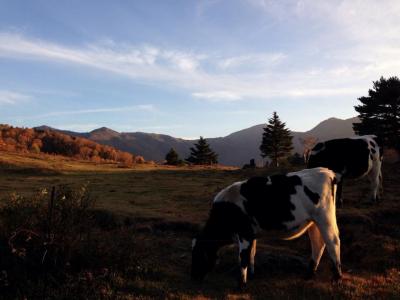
164	207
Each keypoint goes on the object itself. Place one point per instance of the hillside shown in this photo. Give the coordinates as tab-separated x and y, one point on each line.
234	149
44	140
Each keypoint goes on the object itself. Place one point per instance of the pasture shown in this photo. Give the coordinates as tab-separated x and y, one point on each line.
163	208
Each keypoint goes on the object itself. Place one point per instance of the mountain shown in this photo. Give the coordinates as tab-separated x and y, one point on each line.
235	149
239	147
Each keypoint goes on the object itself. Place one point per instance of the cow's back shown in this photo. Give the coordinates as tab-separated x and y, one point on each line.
279	202
347	156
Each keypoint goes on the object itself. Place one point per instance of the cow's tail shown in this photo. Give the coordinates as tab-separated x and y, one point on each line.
334	183
299	232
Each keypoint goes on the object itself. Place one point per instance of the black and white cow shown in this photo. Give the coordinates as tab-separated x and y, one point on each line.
287	205
350	158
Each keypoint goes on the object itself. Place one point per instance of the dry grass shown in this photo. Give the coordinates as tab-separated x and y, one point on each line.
165	207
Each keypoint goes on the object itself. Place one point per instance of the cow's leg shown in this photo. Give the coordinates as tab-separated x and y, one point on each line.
245	246
339	194
252	255
317	248
375	178
330	233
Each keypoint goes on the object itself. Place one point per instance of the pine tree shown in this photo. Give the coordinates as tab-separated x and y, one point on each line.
276	141
201	154
379	112
172	158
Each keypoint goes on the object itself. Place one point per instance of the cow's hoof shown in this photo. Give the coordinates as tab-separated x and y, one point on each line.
311	270
242	286
310	275
337	273
337	277
375	200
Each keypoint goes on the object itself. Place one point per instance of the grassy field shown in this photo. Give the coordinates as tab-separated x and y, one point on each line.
165	207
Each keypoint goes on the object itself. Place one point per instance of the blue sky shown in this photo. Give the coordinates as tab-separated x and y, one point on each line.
190	68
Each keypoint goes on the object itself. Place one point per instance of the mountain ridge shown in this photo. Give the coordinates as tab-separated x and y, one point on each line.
236	148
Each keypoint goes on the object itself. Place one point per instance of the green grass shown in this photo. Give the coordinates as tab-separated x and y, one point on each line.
166	205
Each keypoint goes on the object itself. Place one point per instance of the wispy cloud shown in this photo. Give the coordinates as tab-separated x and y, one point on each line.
353	57
254	61
217	96
134	108
11	97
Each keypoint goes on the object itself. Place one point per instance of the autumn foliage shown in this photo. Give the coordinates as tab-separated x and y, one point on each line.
28	140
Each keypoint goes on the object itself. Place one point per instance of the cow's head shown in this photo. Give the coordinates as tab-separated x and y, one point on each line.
204	256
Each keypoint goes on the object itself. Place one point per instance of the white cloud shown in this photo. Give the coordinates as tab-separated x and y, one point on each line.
183	61
11	97
217	96
140	107
258	60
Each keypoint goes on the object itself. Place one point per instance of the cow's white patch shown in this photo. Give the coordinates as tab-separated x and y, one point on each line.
194	243
243	245
232	194
243	273
319	181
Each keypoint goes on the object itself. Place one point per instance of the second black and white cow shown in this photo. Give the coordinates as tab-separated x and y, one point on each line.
287	205
350	158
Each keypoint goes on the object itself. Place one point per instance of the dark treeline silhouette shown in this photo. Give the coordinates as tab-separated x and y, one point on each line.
28	140
379	112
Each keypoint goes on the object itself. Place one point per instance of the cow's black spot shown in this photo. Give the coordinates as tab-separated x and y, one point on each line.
348	157
373	150
314	197
371	157
270	203
373	145
226	220
318	147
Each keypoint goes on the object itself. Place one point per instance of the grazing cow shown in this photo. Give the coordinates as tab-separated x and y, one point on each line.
350	158
287	205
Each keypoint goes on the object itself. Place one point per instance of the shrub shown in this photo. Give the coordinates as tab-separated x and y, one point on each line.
55	244
172	158
139	160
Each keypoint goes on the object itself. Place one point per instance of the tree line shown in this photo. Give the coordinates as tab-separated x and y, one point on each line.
29	140
200	154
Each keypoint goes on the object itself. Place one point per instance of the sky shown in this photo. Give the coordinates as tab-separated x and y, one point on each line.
191	68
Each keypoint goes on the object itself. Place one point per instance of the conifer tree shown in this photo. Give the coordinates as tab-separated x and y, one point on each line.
276	141
202	154
172	158
379	112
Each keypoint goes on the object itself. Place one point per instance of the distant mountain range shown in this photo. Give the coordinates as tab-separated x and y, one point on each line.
235	149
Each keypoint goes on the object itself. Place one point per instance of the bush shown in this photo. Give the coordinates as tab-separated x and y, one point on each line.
55	244
172	158
139	160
